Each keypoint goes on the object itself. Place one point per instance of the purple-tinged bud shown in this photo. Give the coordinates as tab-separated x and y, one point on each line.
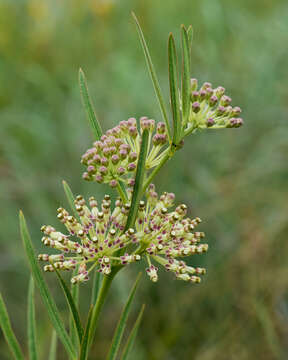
219	91
91	169
104	137
202	94
123	154
103	170
213	100
116	131
239	122
104	161
97	159
194	95
209	93
159	139
132	156
121	170
235	122
131	182
133	131
98	145
206	85
86	176
161	127
210	122
99	179
131	166
236	111
220	110
196	107
193	84
113	183
123	125
125	147
118	142
225	100
132	122
115	159
106	151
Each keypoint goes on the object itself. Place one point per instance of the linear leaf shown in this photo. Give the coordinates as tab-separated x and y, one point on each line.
53	346
129	344
185	75
174	93
31	330
153	75
137	189
96	287
88	105
122	323
43	289
8	332
85	340
75	296
70	198
72	305
190	37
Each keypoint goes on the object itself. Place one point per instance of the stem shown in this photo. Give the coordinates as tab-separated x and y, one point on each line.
155	171
121	192
106	284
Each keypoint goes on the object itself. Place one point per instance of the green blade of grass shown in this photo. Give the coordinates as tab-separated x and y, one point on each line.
185	75
31	329
53	346
88	105
43	289
153	75
85	340
72	306
70	198
122	323
190	37
8	332
130	341
96	287
174	93
75	296
137	189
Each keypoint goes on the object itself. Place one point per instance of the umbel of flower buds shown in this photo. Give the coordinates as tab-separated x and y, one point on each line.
97	240
211	108
115	156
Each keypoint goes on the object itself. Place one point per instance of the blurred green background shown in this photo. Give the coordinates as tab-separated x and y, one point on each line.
235	180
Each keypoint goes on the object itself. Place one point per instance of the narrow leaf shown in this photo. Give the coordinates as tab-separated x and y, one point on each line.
44	291
72	305
153	75
8	332
190	37
88	105
129	344
174	93
31	322
75	296
96	287
185	75
53	346
122	323
70	198
85	342
137	189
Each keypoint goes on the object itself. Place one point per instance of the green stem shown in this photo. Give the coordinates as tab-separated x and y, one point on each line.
155	171
121	193
106	284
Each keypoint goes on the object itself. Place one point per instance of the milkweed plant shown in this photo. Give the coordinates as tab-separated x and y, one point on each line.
94	241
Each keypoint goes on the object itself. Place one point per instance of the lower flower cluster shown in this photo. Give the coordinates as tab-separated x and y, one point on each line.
96	238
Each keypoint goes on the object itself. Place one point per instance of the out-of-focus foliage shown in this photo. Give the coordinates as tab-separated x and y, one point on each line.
235	180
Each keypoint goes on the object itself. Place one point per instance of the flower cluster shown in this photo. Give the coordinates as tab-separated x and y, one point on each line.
114	157
211	108
97	238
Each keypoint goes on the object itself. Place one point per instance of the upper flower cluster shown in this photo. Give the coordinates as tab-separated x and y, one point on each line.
95	238
115	156
211	108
